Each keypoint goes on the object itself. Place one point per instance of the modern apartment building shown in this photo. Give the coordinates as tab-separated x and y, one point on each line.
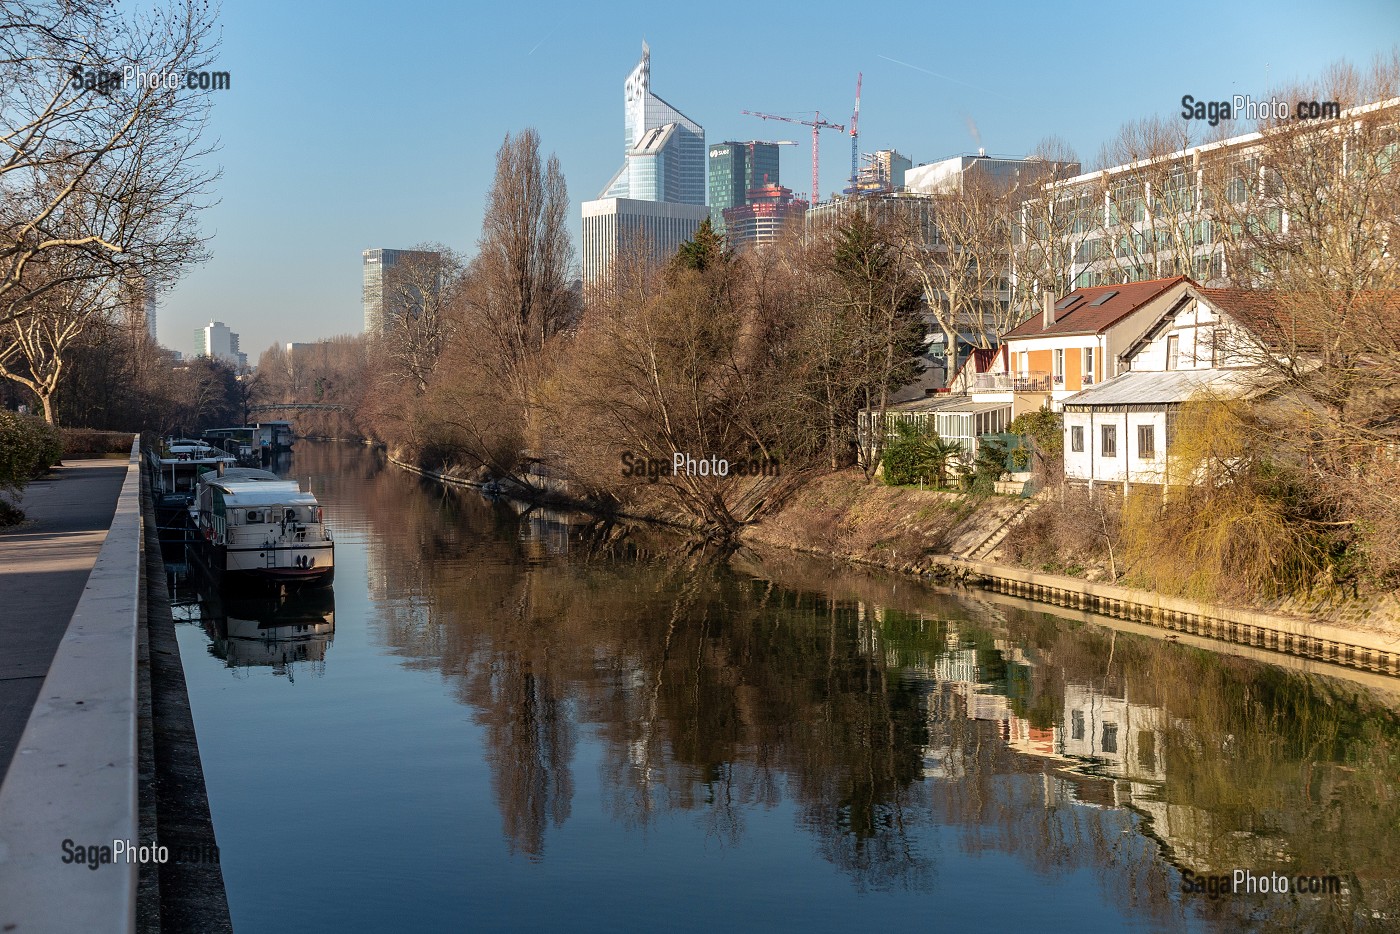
382	301
1153	217
219	341
659	192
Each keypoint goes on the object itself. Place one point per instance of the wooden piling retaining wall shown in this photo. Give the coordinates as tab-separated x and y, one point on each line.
1368	651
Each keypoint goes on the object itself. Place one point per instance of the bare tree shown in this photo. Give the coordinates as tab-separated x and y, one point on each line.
1310	215
34	348
91	164
1149	218
422	293
1051	226
964	272
519	294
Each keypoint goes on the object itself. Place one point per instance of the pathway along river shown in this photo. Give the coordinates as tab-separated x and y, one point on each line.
515	723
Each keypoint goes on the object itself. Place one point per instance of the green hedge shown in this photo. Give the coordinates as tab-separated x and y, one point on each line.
28	447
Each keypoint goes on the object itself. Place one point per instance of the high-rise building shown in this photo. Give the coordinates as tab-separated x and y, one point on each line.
219	341
611	225
737	168
663	164
138	304
762	216
379	266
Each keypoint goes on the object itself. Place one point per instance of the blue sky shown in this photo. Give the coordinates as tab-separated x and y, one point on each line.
375	124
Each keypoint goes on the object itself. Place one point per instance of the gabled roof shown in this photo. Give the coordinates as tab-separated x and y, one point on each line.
1279	319
1094	309
980	360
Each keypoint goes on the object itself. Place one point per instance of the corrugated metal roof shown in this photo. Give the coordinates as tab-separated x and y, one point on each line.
969	407
926	404
1172	386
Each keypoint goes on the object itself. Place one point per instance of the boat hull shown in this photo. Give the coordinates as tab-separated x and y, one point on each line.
309	564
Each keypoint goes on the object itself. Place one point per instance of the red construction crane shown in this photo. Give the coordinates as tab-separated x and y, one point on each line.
855	140
816	123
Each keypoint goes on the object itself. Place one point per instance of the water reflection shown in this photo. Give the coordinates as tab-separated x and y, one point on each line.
288	633
893	719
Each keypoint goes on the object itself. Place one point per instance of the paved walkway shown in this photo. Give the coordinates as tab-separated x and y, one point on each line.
44	566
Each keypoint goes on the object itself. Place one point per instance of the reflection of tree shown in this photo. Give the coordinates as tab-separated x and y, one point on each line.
531	743
714	690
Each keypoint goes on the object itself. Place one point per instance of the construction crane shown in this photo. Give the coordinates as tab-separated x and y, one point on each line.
855	140
816	123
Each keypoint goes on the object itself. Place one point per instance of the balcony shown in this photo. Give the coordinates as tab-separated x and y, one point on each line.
1034	381
992	382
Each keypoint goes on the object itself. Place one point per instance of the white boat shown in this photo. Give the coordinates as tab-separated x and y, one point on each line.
178	465
253	525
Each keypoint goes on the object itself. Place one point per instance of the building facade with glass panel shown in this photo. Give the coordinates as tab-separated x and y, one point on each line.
378	265
654	228
736	170
656	200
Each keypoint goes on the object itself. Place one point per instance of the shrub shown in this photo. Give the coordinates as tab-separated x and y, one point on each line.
915	456
90	441
1246	526
28	447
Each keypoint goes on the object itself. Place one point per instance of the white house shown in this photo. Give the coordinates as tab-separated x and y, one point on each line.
1076	341
1202	342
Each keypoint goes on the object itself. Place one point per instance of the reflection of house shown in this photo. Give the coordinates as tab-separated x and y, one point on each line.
1199	343
1126	737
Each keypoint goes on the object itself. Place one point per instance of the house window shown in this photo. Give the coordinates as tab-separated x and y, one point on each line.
1076	438
1077	724
1110	737
1110	440
1172	351
1059	358
1147	442
1088	366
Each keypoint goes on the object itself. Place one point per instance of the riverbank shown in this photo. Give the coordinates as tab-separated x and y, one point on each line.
944	537
955	539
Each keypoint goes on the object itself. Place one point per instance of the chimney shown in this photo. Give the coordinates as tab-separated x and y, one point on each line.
1047	316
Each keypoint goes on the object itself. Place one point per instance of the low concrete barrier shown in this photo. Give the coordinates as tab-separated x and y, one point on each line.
74	774
1368	651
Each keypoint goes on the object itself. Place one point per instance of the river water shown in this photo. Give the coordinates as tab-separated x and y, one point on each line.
500	721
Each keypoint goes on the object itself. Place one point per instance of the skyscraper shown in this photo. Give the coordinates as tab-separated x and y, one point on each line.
378	274
219	341
735	170
663	164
